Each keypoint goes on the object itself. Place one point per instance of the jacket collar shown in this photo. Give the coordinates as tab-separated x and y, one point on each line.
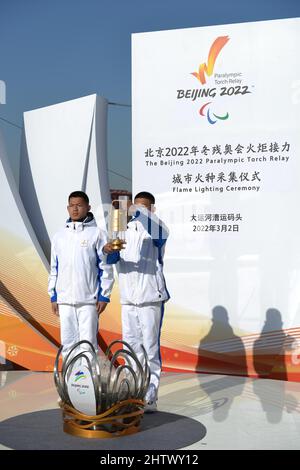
89	221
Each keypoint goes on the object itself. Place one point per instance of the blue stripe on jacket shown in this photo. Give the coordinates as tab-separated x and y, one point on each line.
54	296
100	297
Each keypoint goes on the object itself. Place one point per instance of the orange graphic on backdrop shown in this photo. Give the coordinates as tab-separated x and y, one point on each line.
214	51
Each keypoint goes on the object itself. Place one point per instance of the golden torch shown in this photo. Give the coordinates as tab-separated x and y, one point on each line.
118	222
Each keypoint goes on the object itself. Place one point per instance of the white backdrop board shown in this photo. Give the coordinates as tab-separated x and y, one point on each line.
216	139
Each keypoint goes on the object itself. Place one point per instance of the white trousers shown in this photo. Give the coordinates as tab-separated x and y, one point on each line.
142	325
78	322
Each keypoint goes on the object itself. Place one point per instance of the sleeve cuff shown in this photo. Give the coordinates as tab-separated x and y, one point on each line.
54	297
101	298
159	242
113	258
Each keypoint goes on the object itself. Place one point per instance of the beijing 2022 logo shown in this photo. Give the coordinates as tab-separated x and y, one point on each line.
232	82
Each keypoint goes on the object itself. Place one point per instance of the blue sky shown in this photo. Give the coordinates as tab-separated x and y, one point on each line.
57	50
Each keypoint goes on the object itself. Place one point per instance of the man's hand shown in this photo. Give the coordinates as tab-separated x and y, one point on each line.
133	209
100	307
54	308
108	249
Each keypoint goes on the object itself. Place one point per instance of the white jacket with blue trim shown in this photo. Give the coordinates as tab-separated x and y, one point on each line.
140	263
79	272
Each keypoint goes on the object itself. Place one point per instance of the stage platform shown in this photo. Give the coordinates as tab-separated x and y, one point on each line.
196	411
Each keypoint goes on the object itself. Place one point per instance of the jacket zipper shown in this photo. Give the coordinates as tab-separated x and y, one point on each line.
73	263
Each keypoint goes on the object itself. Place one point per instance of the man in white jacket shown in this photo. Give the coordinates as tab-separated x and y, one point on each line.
143	290
80	280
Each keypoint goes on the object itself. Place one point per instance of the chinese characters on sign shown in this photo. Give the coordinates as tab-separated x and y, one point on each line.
220	224
195	156
231	178
229	154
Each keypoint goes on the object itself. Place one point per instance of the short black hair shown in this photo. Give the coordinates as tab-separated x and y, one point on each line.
79	194
145	195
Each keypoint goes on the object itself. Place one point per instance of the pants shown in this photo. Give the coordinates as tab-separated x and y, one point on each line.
78	322
142	325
